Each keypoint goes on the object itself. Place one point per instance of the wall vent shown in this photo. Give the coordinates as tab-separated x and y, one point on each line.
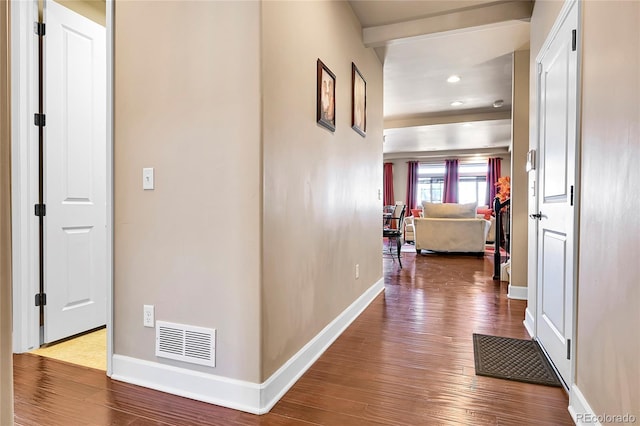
195	345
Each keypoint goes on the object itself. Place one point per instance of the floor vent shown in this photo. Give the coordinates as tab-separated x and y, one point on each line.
187	343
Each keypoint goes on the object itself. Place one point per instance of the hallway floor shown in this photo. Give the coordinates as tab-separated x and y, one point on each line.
407	360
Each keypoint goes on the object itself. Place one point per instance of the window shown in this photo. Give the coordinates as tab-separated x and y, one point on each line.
472	189
472	184
430	183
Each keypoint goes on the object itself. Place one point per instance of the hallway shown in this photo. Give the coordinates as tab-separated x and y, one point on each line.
407	360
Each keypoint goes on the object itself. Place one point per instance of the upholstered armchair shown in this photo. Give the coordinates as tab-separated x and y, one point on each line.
409	230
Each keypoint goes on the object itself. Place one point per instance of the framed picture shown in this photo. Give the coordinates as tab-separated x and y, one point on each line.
358	101
326	102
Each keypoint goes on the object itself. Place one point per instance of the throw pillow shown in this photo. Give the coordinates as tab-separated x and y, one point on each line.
486	212
416	212
449	210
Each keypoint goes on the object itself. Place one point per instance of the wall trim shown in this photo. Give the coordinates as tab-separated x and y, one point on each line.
280	381
24	172
579	407
518	292
238	394
110	179
529	322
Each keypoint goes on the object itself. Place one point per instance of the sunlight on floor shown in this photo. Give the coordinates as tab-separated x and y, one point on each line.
89	350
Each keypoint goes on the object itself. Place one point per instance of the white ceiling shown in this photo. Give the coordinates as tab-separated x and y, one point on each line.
421	43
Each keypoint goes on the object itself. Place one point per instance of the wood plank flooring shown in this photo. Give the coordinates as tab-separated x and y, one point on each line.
407	360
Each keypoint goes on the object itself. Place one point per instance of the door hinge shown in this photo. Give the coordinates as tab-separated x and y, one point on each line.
40	210
539	68
39	28
41	299
571	195
568	348
574	36
39	120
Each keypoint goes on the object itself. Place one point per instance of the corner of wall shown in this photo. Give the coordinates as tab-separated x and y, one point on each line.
517	292
240	394
6	364
580	410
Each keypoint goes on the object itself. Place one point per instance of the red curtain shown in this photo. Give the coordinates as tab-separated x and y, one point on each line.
493	174
387	183
450	181
412	184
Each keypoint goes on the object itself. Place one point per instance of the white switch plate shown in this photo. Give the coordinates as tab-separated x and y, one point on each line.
147	178
357	271
148	319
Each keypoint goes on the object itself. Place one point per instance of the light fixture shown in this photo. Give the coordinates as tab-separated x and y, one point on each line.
498	103
457	103
453	79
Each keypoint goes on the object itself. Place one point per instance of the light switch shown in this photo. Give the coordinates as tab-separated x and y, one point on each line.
147	178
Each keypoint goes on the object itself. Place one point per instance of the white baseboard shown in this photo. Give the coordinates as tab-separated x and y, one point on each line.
238	394
280	381
517	292
529	322
218	390
579	408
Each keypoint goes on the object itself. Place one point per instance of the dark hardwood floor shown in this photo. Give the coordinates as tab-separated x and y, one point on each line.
407	360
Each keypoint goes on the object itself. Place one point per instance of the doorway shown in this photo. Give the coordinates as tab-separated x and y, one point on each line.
77	175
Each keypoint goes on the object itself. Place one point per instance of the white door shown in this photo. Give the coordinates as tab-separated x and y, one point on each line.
557	80
75	173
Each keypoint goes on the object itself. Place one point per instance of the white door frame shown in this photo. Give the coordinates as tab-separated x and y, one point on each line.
24	186
533	245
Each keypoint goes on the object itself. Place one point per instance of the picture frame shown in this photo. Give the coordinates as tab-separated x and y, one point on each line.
358	101
326	97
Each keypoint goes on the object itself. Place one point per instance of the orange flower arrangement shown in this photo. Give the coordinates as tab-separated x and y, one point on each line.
504	188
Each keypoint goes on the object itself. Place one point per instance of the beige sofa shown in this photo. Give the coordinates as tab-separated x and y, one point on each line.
448	227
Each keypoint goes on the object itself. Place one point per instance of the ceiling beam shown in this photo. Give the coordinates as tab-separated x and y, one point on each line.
460	21
430	120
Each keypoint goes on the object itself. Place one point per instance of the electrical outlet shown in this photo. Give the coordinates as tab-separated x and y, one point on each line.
357	271
148	319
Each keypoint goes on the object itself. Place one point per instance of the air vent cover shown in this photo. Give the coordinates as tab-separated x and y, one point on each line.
187	343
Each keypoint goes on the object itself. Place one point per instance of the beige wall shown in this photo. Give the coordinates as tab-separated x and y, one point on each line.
6	373
608	341
400	170
608	338
519	179
187	102
321	207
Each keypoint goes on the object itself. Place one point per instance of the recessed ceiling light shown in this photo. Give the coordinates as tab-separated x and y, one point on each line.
498	103
453	79
456	103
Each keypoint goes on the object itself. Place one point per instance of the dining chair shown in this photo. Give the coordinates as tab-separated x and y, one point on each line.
394	230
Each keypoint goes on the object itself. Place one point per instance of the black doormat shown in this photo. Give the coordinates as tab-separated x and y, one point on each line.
512	359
